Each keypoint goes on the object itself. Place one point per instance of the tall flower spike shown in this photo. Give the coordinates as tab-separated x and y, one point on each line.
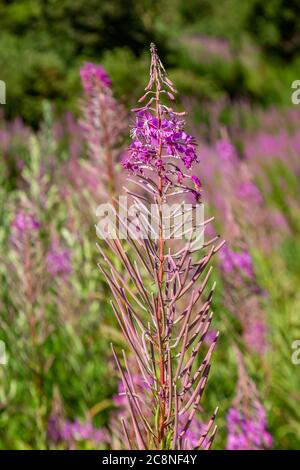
163	311
160	144
246	419
103	123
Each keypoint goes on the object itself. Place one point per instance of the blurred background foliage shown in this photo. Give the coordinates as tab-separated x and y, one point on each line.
42	44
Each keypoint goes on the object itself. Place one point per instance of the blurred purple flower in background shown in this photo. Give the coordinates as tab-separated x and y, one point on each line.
92	73
279	221
102	126
236	261
191	435
226	150
74	431
24	224
120	397
246	419
58	260
255	335
248	433
210	336
249	191
207	49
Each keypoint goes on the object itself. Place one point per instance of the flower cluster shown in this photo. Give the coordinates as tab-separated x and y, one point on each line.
148	133
160	143
248	433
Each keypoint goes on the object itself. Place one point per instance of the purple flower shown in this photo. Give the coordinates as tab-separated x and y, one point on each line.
71	431
23	225
194	431
248	432
236	261
58	261
24	222
196	182
149	134
210	337
256	335
92	74
54	429
279	220
226	150
249	191
120	398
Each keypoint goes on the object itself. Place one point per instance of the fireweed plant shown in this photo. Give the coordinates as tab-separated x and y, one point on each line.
246	419
246	224
163	311
103	124
243	295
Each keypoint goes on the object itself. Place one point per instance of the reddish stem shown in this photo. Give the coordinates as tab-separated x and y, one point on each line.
159	312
